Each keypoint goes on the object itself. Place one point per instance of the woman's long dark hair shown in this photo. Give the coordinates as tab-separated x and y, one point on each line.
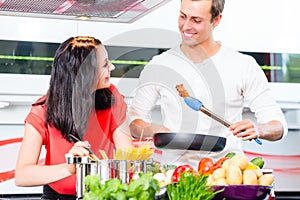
74	73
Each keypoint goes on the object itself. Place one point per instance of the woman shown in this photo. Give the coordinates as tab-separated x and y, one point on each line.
80	102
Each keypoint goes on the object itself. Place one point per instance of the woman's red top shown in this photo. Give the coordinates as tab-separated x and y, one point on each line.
99	134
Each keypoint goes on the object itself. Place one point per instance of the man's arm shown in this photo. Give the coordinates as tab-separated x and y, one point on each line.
247	130
271	131
139	128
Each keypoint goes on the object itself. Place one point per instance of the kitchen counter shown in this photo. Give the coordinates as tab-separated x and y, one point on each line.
279	196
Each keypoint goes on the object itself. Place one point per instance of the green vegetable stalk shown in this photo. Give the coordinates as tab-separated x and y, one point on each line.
258	161
143	188
191	187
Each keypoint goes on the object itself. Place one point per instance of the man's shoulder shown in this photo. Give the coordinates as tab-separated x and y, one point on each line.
165	56
231	53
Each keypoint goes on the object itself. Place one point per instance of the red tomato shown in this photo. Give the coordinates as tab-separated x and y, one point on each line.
221	160
214	167
205	166
179	170
217	165
130	174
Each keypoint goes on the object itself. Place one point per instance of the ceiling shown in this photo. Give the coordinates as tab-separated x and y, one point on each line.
125	11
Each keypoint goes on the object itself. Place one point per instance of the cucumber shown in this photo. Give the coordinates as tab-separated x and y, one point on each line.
230	155
258	161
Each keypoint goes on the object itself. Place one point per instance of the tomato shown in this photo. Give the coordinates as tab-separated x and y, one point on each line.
205	165
214	167
222	160
179	170
130	174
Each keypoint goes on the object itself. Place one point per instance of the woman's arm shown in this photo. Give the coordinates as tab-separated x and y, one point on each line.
28	172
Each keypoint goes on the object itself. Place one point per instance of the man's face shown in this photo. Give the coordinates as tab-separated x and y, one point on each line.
194	21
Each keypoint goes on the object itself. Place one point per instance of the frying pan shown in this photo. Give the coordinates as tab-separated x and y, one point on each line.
189	141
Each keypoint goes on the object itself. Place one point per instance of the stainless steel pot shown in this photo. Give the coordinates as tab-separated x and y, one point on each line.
106	169
121	169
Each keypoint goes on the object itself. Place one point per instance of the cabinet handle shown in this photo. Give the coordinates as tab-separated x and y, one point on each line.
3	104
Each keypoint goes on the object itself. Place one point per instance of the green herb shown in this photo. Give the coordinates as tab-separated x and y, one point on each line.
168	167
191	187
153	167
143	188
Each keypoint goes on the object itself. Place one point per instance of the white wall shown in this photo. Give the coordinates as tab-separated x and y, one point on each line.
156	24
261	25
247	25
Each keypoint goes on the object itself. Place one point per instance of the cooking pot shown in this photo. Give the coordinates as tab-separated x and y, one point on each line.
106	169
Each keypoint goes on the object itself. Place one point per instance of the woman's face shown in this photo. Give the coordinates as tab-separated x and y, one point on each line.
105	67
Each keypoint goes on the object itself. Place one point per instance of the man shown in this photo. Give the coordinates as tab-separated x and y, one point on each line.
220	77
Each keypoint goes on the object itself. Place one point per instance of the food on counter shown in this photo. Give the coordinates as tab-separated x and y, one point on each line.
230	155
219	174
162	173
235	171
205	165
153	167
164	178
266	179
191	186
234	175
160	177
249	177
221	161
240	160
258	161
142	152
145	187
180	170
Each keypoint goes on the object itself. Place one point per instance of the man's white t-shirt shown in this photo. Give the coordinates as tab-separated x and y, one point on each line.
223	83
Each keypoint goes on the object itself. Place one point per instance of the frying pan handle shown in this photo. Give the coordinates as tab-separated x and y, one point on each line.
197	105
258	141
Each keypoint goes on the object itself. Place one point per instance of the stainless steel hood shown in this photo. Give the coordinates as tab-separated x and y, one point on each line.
125	11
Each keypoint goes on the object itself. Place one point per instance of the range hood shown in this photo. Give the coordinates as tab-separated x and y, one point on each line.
126	11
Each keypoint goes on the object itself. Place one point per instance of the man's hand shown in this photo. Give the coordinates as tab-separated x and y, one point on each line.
245	129
140	128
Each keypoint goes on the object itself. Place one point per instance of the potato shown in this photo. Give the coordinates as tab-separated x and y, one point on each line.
234	175
219	173
249	177
210	180
266	179
239	160
225	164
258	173
221	181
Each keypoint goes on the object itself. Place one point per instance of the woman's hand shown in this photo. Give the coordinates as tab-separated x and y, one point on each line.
79	149
245	129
